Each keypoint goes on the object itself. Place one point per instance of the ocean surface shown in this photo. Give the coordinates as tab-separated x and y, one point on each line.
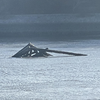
60	77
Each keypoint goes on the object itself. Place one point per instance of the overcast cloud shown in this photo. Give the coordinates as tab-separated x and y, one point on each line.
49	6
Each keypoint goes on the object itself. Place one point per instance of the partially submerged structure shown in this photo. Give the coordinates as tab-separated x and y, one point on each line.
31	51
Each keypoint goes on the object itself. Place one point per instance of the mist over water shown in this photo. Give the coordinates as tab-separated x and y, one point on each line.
50	27
49	19
65	25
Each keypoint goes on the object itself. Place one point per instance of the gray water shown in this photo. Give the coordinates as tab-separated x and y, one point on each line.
61	77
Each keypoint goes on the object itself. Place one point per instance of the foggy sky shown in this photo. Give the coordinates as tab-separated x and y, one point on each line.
49	6
50	19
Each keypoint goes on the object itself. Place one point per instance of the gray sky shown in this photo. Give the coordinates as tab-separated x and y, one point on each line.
75	17
49	6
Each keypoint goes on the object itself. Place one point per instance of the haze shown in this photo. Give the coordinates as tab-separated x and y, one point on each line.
66	19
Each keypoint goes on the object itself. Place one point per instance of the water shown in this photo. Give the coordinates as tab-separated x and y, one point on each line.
59	77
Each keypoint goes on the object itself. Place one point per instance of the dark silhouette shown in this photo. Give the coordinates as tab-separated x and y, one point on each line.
31	51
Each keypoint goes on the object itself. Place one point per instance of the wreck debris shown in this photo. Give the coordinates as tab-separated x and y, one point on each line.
31	51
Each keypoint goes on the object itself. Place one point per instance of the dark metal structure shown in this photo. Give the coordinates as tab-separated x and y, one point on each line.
31	51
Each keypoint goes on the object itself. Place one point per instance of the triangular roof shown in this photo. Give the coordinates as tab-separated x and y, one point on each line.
24	50
31	51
